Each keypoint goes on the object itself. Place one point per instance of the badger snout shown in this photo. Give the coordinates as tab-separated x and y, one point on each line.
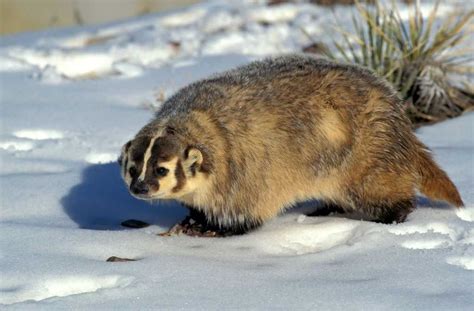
139	188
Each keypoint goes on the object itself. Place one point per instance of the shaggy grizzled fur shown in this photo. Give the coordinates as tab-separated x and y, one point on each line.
288	129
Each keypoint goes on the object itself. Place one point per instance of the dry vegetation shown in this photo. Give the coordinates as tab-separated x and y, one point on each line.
330	2
418	56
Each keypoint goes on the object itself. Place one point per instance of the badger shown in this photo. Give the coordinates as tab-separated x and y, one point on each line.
242	146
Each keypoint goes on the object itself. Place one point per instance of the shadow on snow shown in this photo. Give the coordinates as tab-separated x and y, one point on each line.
101	201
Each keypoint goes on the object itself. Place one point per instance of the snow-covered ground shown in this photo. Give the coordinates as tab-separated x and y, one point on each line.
71	98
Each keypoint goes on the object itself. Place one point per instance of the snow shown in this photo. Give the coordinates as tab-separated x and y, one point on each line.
71	98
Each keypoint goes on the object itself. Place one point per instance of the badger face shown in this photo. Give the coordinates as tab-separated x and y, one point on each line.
158	167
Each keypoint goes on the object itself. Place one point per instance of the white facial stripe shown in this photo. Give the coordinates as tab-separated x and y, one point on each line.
146	157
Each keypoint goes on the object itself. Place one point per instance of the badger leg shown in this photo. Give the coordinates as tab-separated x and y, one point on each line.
384	196
326	209
196	216
201	222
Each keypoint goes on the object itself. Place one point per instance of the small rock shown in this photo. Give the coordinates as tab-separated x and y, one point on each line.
133	223
118	259
175	45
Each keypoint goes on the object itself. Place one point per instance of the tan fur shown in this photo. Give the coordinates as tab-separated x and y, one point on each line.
258	139
333	128
435	183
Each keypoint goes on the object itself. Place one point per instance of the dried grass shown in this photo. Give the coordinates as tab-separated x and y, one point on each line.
416	55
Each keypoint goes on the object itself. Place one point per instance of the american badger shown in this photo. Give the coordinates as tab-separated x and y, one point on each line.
242	146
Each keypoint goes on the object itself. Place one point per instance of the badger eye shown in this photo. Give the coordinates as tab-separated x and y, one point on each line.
161	171
132	171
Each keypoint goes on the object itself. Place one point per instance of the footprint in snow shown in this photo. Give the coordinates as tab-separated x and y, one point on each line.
23	140
465	262
427	244
434	227
308	238
451	239
450	235
13	145
466	259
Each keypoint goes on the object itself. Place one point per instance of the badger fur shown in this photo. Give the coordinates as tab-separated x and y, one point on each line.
244	145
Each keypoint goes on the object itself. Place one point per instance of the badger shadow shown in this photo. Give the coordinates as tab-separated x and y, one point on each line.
311	206
101	202
425	202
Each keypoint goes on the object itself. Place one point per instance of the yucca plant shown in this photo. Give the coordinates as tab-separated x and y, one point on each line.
416	55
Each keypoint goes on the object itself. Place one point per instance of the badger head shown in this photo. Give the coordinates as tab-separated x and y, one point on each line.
160	165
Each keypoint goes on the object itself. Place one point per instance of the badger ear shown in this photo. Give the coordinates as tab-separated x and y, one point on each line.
193	159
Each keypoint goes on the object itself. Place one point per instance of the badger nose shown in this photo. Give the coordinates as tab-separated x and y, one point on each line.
139	187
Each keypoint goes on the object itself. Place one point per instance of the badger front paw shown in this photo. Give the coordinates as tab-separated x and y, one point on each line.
190	227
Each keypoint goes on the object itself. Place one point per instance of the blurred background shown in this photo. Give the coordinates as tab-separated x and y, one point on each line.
28	15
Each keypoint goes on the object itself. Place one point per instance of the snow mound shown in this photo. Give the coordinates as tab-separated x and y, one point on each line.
300	239
16	145
62	286
39	134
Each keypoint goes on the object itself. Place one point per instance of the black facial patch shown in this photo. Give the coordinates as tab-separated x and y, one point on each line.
193	169
139	148
180	177
132	171
125	166
164	149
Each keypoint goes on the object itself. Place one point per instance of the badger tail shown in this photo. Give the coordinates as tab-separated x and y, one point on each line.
434	182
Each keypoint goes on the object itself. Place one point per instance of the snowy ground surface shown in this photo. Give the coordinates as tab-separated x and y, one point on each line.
71	98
